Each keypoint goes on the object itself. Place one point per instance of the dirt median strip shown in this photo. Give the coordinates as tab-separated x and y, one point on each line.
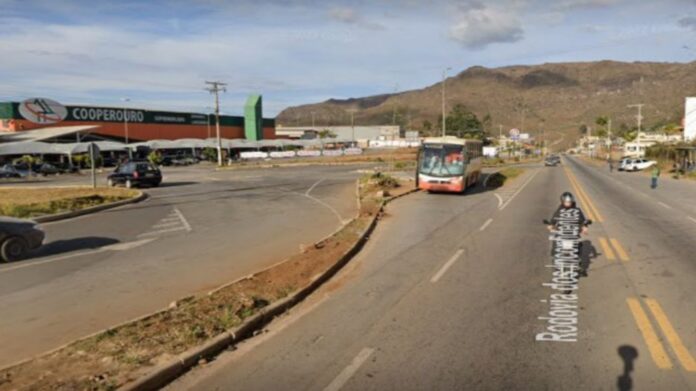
150	351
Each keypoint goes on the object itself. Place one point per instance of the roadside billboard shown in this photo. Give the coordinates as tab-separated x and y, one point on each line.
690	119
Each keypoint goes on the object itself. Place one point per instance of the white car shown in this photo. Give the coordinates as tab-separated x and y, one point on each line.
636	164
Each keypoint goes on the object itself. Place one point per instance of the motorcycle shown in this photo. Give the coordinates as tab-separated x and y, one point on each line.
567	243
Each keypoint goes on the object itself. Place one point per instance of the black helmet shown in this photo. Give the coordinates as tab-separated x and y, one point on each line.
567	197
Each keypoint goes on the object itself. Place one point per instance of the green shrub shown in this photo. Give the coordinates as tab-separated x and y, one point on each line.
155	157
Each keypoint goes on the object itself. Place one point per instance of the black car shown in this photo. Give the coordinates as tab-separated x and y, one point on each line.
135	174
47	169
17	237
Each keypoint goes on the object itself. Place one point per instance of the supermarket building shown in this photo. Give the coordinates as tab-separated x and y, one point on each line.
129	124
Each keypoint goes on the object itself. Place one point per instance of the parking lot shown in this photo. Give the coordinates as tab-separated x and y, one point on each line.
199	229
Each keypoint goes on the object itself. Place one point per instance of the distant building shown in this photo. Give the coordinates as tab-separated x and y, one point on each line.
357	133
119	123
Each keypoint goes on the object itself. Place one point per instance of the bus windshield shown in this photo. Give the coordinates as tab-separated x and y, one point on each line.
442	160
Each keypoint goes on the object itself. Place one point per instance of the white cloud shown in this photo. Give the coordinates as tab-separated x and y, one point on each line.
574	4
351	16
481	26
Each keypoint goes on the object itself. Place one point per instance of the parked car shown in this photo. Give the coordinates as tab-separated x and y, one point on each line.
17	237
623	162
636	164
135	174
67	168
47	169
108	161
24	169
8	171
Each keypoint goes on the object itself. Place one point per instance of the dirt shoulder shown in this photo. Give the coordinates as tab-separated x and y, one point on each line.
117	356
499	178
28	202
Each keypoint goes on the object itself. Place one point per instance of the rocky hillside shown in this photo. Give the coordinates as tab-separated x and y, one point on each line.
556	97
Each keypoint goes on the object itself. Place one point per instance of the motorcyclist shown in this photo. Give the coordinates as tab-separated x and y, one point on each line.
567	203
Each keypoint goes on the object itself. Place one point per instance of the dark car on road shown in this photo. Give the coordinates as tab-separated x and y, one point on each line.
135	174
17	237
552	161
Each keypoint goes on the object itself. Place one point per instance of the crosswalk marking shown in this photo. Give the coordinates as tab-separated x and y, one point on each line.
173	222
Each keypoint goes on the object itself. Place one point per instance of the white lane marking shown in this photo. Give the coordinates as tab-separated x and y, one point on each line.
519	190
500	199
112	247
350	370
167	224
446	266
313	186
485	224
161	231
662	204
127	245
183	219
331	208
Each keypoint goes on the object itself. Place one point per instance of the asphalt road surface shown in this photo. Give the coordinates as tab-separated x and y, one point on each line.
449	294
200	229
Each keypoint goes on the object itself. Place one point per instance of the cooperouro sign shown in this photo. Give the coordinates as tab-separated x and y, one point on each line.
42	111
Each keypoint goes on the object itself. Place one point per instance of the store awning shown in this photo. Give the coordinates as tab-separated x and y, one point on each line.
43	133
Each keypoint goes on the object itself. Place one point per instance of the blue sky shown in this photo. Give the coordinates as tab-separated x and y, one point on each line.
159	53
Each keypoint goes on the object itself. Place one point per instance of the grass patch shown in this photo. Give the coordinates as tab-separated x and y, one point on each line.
33	202
499	178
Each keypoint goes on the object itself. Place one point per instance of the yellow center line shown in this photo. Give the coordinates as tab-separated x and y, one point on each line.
587	197
623	255
576	188
687	360
608	252
657	351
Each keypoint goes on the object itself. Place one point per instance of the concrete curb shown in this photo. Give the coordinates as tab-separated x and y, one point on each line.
93	209
167	372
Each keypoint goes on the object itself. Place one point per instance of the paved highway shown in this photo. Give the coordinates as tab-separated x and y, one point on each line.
449	294
200	229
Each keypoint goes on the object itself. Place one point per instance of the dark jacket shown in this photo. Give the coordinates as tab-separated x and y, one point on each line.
557	215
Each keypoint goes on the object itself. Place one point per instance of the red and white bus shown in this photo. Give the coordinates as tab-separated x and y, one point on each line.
449	164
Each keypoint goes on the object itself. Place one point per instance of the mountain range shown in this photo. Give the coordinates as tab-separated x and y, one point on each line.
553	98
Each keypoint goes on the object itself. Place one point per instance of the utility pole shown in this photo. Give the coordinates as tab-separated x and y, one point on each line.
639	119
352	124
313	113
125	124
215	88
396	88
444	75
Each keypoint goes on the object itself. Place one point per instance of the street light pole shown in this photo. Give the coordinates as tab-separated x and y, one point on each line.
444	74
125	124
352	124
639	118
